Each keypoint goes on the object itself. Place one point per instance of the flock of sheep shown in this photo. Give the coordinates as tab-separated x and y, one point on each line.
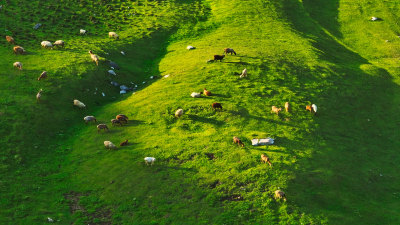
121	119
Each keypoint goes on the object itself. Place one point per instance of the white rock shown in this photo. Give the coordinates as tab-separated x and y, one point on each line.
50	219
166	76
189	47
122	92
102	93
112	72
123	87
123	53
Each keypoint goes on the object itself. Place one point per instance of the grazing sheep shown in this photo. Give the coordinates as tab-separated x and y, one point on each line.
18	65
124	143
280	195
179	113
265	159
89	118
10	40
39	95
102	126
276	110
189	47
46	44
113	35
94	57
229	50
122	118
374	18
18	50
79	104
82	31
115	122
287	106
236	140
59	43
109	145
217	105
314	107
244	73
219	57
206	93
150	160
42	75
196	95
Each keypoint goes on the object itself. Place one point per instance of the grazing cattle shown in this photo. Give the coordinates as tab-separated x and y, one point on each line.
280	195
124	143
39	95
10	40
102	126
206	93
287	106
229	50
236	140
18	50
42	75
18	65
149	160
219	57
179	113
275	110
116	122
217	105
265	159
122	118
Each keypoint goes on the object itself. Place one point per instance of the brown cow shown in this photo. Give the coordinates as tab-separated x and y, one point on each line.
116	122
217	105
102	126
18	50
265	159
10	40
219	57
229	50
124	143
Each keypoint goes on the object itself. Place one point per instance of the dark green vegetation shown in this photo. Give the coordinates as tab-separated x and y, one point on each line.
339	167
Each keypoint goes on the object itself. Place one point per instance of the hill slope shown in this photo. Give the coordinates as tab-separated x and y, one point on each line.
337	167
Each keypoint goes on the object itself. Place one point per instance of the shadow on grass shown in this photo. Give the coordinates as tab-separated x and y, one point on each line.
206	120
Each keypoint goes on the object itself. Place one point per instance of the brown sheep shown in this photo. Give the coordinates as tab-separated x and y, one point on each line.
206	93
18	50
219	57
275	110
124	143
265	159
102	126
236	140
217	105
94	57
229	50
287	106
280	195
42	75
116	122
122	118
10	40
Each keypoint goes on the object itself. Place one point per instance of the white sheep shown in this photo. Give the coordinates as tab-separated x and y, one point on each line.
59	43
79	104
46	44
196	95
189	47
89	118
179	113
113	35
314	107
82	31
109	145
244	73
150	160
18	65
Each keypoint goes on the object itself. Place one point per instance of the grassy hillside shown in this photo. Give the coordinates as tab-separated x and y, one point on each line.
338	167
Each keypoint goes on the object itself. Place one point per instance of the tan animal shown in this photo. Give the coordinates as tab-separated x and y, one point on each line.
276	110
116	122
18	50
179	113
287	106
102	126
236	140
280	195
42	75
206	93
109	145
18	65
59	43
10	40
113	35
39	95
94	57
124	143
265	159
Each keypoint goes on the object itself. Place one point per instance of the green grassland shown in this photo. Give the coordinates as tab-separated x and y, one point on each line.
338	167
